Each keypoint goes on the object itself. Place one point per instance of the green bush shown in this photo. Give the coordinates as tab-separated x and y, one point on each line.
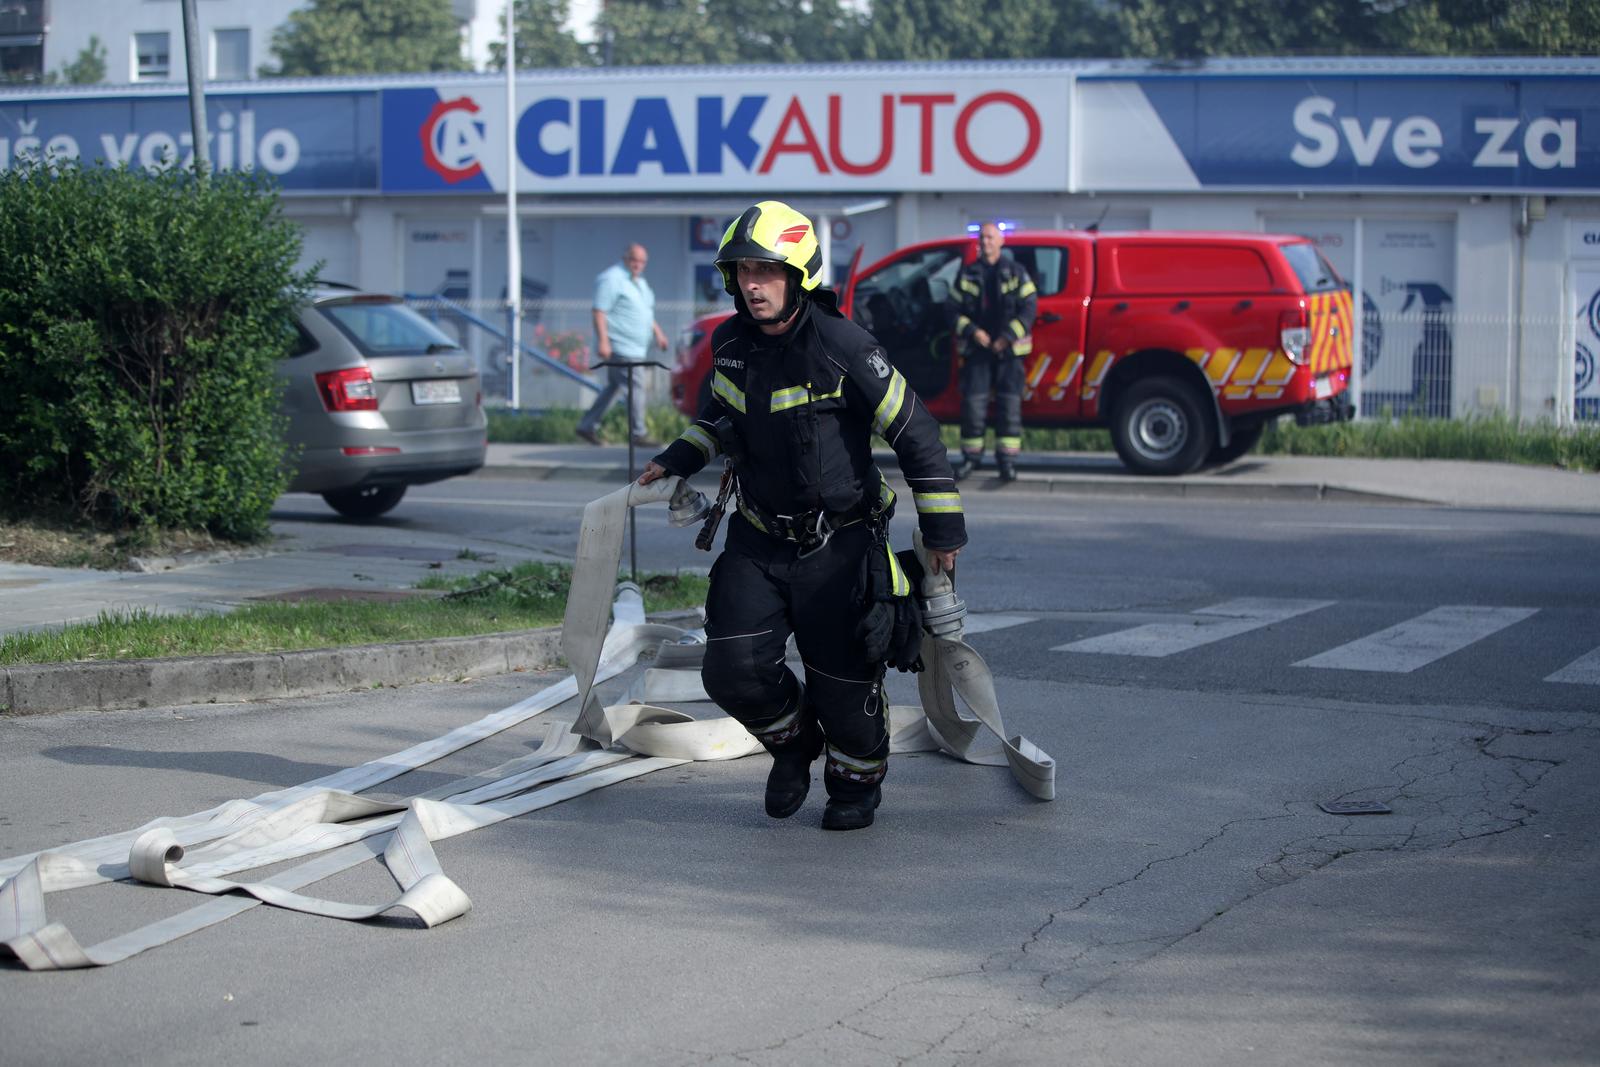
141	315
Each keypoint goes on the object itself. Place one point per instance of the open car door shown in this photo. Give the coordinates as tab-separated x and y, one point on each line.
850	284
903	301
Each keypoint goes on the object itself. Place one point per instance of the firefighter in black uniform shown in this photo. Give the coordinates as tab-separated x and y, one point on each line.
993	303
797	392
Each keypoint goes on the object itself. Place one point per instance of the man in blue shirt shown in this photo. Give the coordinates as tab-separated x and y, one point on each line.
624	322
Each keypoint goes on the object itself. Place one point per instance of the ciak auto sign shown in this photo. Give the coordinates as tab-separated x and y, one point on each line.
821	132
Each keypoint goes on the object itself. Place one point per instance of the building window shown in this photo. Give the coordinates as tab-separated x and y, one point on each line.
230	55
152	54
22	29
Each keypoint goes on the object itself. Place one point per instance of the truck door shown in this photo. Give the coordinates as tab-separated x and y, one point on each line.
902	301
1061	269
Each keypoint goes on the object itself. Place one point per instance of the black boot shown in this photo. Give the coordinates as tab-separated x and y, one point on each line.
963	467
852	812
1008	470
790	778
788	783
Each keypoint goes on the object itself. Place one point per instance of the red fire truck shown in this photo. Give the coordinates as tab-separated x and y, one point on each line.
1183	344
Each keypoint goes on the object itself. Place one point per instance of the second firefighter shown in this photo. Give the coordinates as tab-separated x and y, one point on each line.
992	304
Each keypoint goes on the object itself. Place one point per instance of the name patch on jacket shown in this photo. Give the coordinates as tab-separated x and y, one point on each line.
731	364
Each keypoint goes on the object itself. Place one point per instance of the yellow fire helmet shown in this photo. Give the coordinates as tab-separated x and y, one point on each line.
772	231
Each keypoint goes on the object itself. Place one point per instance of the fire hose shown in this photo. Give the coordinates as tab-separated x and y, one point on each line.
604	634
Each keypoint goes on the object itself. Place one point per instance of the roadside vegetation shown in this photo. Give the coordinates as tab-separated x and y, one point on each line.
559	426
1491	438
357	36
526	596
57	542
141	319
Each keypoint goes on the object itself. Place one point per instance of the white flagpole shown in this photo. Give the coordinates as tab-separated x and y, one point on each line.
513	224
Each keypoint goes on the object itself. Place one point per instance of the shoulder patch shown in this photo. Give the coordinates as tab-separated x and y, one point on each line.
879	365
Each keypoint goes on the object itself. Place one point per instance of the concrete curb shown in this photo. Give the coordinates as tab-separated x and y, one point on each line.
1083	485
127	684
1181	490
556	472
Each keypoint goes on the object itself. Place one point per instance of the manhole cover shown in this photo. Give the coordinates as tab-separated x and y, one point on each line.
431	555
1355	807
327	593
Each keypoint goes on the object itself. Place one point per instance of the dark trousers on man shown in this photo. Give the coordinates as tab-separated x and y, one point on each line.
761	592
987	374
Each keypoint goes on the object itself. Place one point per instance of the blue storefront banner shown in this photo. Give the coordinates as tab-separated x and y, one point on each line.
311	142
1364	132
1022	127
704	131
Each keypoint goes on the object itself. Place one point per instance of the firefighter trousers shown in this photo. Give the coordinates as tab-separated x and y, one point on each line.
987	374
762	590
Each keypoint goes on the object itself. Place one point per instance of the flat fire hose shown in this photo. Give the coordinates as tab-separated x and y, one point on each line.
604	746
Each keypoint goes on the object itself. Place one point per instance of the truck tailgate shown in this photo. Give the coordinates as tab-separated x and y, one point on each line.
1332	331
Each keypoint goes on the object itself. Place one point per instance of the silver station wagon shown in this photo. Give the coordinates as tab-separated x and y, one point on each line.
378	399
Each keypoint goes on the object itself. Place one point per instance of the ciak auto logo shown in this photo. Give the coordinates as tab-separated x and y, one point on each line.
452	140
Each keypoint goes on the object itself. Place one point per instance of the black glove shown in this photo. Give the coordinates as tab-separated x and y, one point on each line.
891	628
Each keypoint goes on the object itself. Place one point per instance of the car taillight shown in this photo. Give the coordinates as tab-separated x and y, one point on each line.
1295	333
351	389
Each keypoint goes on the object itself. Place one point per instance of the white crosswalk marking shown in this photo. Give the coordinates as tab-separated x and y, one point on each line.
1228	619
1585	670
1417	642
982	623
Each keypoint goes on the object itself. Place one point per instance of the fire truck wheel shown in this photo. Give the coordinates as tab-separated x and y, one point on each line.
1243	440
1159	427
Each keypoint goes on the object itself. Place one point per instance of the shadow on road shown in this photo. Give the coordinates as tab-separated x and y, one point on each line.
251	766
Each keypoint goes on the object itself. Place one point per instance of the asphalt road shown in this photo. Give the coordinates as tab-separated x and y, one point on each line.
1071	569
1184	900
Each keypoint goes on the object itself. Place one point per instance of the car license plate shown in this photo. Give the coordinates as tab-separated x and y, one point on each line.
436	391
1324	387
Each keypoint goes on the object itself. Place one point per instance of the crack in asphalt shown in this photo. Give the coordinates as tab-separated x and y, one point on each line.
1480	792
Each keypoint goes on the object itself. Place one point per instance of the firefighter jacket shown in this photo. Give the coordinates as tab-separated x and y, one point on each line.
1000	299
804	406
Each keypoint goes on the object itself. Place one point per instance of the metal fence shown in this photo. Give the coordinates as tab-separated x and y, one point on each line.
1447	365
558	347
1433	363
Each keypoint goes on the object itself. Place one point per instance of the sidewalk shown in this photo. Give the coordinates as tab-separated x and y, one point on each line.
319	563
1452	483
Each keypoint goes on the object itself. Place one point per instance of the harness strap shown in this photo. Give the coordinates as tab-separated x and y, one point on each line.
806	528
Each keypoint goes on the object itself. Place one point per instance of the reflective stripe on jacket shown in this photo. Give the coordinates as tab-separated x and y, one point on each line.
1019	303
806	405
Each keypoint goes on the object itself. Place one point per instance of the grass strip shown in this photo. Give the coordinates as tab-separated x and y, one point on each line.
522	597
1491	438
